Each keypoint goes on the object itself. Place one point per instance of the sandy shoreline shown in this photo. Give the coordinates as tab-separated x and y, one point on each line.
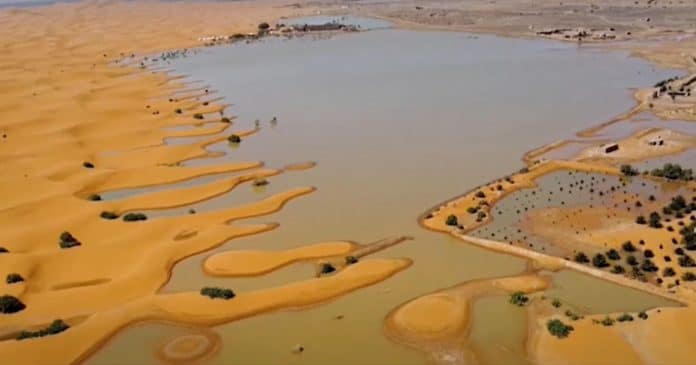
68	103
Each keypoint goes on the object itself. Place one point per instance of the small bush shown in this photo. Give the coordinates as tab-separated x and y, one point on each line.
643	315
607	321
67	240
480	194
3	250
628	246
613	255
326	268
225	120
264	26
668	272
580	257
556	303
648	266
627	170
178	111
558	328
198	116
631	260
88	165
350	260
134	217
94	197
234	138
215	293
686	261
518	298
14	278
689	276
452	220
599	261
472	210
55	327
618	269
10	304
641	220
108	215
625	318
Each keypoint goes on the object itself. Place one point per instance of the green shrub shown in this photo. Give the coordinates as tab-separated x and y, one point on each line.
350	260
480	216
10	304
612	254
641	220
94	197
451	220
618	269
67	240
631	260
480	194
108	215
556	303
673	172
625	318
686	261
648	266
627	170
668	271
518	298
234	138
14	278
198	116
689	276
599	261
643	315
134	217
628	246
472	210
607	321
215	293
326	268
580	257
558	328
654	220
55	327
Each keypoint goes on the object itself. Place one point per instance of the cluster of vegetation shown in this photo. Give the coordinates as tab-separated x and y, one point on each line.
215	292
134	217
94	197
581	258
625	318
686	261
88	165
13	278
108	215
573	316
599	261
673	172
350	260
518	298
10	304
612	254
233	138
628	170
689	276
688	236
326	268
556	303
480	194
472	209
558	328
643	315
198	116
607	321
452	220
67	240
55	327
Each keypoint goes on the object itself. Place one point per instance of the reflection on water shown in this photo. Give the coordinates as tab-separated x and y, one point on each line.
397	121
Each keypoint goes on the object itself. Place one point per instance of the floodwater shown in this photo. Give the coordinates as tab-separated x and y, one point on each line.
397	121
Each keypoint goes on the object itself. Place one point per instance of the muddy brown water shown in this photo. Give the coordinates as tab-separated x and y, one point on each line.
397	121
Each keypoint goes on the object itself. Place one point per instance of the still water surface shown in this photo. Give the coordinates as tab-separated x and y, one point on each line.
397	121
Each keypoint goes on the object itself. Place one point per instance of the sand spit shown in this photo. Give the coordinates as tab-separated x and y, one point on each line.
439	323
82	117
